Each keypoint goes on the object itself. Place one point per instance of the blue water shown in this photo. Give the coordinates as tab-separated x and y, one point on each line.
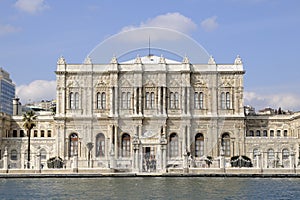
150	188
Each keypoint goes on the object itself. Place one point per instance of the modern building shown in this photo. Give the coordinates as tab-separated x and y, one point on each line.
7	92
153	114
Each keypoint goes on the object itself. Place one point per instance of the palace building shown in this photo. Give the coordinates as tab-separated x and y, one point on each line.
152	113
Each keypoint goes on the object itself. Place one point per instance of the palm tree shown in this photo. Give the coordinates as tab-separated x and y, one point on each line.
29	122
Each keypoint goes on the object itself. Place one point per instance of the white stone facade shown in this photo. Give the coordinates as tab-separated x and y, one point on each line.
148	115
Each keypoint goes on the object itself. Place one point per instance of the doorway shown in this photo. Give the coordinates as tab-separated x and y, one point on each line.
149	159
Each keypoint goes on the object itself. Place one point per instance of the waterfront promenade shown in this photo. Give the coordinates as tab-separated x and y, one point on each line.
192	172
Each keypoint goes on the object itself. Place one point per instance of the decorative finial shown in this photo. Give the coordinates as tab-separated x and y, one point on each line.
61	61
88	60
185	60
211	61
114	60
138	60
238	60
162	60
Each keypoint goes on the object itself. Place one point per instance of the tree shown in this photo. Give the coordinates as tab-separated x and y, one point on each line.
29	123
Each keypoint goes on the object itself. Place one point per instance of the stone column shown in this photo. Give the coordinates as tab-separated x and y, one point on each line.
5	160
116	142
136	156
222	159
188	100
116	102
292	160
164	100
38	161
163	148
189	138
111	101
75	163
159	101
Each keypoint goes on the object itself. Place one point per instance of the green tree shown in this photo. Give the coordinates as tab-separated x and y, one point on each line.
29	123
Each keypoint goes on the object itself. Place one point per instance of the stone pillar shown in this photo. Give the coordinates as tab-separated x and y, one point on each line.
188	100
38	161
75	163
258	160
292	160
136	155
185	163
116	103
189	138
222	159
184	147
158	101
163	148
5	160
111	101
116	142
164	100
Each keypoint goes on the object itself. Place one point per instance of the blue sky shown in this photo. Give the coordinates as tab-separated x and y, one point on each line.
265	33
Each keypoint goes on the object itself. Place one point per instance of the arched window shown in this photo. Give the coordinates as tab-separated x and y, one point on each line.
101	100
73	145
250	133
176	106
270	154
100	145
196	101
223	101
125	145
35	133
76	100
14	155
147	100
285	133
173	145
285	154
257	133
201	100
172	100
271	133
265	133
72	100
199	145
278	133
228	101
226	144
152	100
43	154
255	153
128	100
42	133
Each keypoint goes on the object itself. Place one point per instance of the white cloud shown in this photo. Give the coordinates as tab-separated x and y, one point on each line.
36	91
7	29
286	101
31	6
210	24
175	21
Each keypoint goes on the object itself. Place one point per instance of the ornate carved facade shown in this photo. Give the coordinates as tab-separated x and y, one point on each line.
151	114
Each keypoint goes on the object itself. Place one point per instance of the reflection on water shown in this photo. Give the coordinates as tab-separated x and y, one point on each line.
150	188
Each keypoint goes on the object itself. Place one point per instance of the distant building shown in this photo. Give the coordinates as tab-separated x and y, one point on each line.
7	92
